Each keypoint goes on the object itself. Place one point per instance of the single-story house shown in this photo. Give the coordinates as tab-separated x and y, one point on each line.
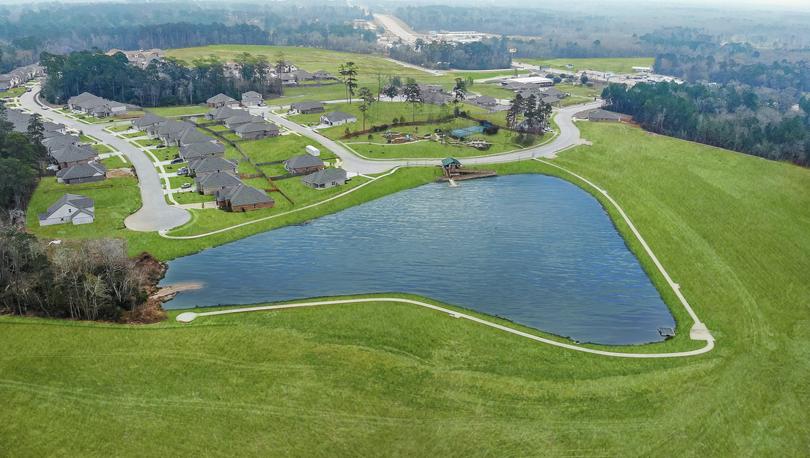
222	113
221	100
191	136
82	173
323	75
72	154
252	99
206	165
55	142
306	108
242	118
243	198
325	178
70	208
210	183
95	106
337	118
288	79
147	120
256	130
169	131
303	164
200	150
485	101
540	81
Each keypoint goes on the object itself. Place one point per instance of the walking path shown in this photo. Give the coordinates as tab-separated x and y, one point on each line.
188	317
155	214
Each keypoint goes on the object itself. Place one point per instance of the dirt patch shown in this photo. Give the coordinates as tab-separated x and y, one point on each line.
119	173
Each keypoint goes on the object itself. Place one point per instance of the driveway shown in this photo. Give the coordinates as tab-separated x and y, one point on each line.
567	137
155	214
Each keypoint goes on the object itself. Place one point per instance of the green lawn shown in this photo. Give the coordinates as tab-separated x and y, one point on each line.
115	199
383	379
182	110
102	148
277	148
147	142
120	128
193	198
602	64
13	92
135	134
115	162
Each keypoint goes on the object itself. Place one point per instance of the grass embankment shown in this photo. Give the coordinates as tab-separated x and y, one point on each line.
600	64
396	379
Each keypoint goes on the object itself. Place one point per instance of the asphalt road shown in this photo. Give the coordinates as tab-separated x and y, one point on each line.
155	214
567	137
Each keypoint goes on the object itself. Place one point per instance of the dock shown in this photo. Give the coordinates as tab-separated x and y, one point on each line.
454	171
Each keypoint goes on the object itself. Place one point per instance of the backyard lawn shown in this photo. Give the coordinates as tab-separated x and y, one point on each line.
182	110
391	379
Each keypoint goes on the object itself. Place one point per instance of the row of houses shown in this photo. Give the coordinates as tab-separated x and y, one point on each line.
314	171
140	58
287	72
242	123
93	105
73	161
20	76
212	173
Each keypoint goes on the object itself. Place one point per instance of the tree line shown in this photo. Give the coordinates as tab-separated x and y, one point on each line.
487	54
168	82
729	116
22	162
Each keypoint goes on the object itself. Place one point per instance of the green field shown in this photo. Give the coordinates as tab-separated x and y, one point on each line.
182	110
383	379
13	92
601	64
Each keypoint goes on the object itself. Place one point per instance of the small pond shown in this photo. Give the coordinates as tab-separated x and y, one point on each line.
534	249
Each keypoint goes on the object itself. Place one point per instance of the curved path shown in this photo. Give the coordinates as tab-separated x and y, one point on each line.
155	214
188	317
567	137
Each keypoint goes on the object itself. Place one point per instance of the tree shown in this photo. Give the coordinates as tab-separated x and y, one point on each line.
367	98
413	95
583	79
36	131
348	73
516	108
391	91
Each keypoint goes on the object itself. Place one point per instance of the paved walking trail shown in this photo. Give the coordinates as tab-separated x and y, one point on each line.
188	317
155	214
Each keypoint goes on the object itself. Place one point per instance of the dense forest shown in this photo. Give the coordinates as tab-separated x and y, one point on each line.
169	82
22	161
737	117
492	53
28	30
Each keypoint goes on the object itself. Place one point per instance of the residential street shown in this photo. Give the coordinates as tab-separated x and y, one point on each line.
155	214
567	137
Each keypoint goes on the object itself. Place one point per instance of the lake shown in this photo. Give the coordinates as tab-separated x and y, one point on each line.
533	249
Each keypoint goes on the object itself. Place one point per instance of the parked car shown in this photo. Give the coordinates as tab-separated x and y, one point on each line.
185	185
177	161
160	145
183	171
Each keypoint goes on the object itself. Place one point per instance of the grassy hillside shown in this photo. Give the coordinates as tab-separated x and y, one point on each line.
602	64
375	379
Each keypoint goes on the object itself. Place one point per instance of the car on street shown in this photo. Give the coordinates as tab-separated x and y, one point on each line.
185	185
177	160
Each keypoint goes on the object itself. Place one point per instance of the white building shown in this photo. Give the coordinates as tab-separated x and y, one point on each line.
70	208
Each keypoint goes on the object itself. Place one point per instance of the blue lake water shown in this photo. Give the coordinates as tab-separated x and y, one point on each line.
530	248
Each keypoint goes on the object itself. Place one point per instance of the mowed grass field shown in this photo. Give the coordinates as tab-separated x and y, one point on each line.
382	379
601	64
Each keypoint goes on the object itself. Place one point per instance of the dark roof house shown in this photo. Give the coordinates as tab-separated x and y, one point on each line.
305	163
243	198
82	173
306	107
221	100
325	178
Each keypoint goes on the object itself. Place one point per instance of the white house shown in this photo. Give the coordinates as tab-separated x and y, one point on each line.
337	118
70	208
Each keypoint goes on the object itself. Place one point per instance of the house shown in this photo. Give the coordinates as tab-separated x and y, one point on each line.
286	67
222	113
210	183
70	155
200	150
252	99
306	108
337	118
147	120
303	164
60	141
242	118
326	178
20	76
171	132
256	130
191	136
82	173
323	75
70	208
288	79
303	75
221	100
93	105
243	198
202	166
485	101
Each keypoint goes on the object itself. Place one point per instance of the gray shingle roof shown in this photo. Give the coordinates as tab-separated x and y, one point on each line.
339	116
76	200
201	149
304	106
256	127
73	153
82	171
220	98
303	161
148	119
211	164
219	180
325	176
244	195
222	113
192	135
